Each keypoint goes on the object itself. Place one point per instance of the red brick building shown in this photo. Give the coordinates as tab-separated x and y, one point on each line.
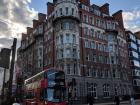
87	43
30	53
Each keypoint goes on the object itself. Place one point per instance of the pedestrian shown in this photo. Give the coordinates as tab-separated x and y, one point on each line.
132	101
93	100
117	100
17	102
5	102
88	99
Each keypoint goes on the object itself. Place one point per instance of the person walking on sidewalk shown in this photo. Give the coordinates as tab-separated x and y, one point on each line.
90	100
117	100
132	101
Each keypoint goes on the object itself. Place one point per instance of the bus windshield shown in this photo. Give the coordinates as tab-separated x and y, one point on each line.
56	95
55	75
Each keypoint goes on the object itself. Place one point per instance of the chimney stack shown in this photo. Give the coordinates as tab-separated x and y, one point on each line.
35	23
86	2
105	8
119	18
50	8
41	17
29	30
23	36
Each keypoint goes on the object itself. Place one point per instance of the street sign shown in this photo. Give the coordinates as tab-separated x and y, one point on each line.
5	58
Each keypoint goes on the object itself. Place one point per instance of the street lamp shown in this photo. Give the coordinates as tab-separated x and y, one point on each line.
84	79
71	85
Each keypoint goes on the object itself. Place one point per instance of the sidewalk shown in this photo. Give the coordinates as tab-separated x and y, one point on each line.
112	103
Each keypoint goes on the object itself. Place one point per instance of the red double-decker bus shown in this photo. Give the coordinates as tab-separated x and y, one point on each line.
46	88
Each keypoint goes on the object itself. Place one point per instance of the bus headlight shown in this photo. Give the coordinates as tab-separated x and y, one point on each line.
46	103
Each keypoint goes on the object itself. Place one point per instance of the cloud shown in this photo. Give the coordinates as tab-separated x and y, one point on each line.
4	29
15	16
49	0
1	45
7	43
132	19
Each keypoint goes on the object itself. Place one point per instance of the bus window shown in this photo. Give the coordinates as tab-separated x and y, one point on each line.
29	95
56	95
55	75
60	75
51	75
56	83
43	94
51	83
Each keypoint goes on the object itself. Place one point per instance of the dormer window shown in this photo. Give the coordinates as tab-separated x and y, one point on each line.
86	18
61	11
72	11
67	9
56	13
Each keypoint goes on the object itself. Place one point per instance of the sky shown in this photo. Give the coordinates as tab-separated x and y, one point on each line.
16	15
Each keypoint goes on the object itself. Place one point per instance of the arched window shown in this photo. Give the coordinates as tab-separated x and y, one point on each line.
106	92
92	89
116	90
68	69
72	11
74	38
122	91
60	10
67	10
61	39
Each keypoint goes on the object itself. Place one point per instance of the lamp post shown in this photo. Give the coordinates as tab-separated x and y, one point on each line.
12	67
84	80
71	90
3	85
